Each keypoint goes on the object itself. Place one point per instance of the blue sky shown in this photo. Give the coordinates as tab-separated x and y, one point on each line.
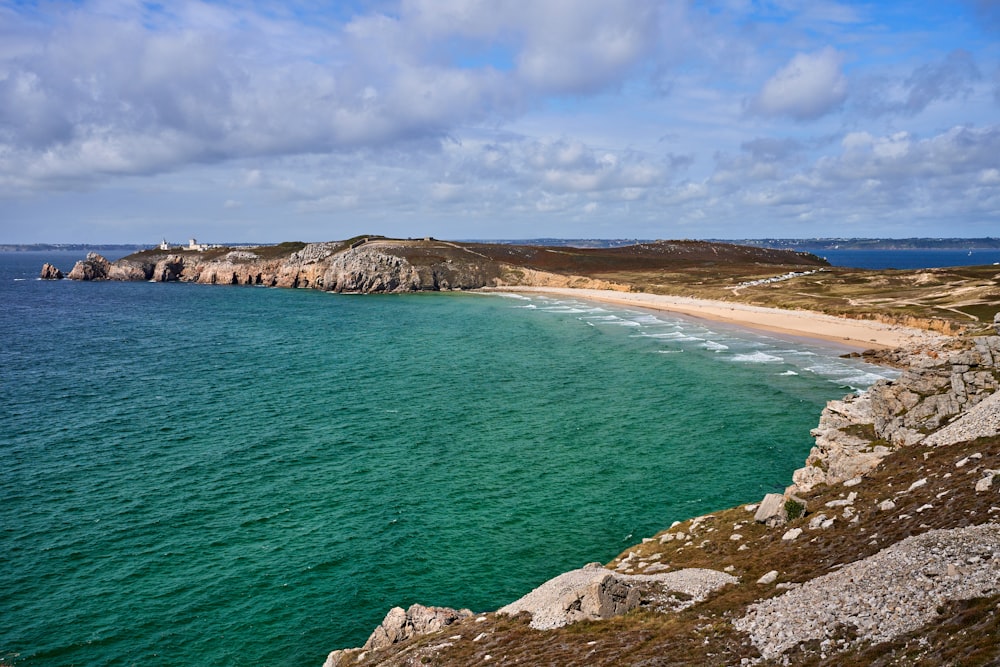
125	122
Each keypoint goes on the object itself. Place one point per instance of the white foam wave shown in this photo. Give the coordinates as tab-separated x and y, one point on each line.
676	335
602	318
756	358
860	381
715	347
788	373
530	305
509	295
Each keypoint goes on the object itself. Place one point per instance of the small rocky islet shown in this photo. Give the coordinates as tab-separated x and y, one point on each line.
885	548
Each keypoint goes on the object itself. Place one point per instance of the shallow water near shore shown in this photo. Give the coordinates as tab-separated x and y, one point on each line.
211	475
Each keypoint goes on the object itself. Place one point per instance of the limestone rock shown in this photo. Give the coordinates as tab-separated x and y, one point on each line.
594	592
50	272
769	578
771	511
94	267
986	482
399	625
791	534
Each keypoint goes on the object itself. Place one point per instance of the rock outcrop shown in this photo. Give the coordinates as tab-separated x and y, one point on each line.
94	267
936	386
50	272
595	593
397	626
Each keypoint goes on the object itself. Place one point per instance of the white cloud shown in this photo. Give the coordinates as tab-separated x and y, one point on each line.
809	86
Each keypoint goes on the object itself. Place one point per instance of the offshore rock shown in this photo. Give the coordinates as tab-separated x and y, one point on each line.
50	272
94	267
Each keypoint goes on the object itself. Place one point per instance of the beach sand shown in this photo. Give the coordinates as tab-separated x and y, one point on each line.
858	334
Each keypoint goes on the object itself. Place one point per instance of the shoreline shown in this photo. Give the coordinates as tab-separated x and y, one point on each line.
859	335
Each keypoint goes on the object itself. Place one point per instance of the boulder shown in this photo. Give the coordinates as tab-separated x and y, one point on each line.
771	511
769	578
50	272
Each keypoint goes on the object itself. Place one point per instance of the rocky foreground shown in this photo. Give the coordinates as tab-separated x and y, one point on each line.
884	550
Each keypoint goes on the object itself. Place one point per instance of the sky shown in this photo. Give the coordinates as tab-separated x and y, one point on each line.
259	121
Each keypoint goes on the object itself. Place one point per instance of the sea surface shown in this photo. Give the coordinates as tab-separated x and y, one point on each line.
212	475
908	259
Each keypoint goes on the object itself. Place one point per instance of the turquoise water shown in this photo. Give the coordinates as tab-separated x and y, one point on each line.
212	475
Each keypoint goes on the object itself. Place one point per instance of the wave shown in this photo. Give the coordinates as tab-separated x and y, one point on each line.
603	318
715	347
511	295
756	358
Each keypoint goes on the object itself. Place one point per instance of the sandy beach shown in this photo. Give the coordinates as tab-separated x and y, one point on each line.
859	334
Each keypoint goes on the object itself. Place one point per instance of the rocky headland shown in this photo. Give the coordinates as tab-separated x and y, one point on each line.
376	264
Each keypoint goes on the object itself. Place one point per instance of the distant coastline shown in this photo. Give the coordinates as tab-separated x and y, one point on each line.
917	243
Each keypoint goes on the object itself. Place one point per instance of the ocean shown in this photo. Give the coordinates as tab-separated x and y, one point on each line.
218	475
924	258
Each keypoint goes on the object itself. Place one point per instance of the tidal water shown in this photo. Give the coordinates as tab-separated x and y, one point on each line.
220	475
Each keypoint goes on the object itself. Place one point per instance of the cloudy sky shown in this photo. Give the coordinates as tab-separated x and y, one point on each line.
125	121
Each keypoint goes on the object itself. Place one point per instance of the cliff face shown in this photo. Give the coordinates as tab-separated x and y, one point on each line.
394	265
936	387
